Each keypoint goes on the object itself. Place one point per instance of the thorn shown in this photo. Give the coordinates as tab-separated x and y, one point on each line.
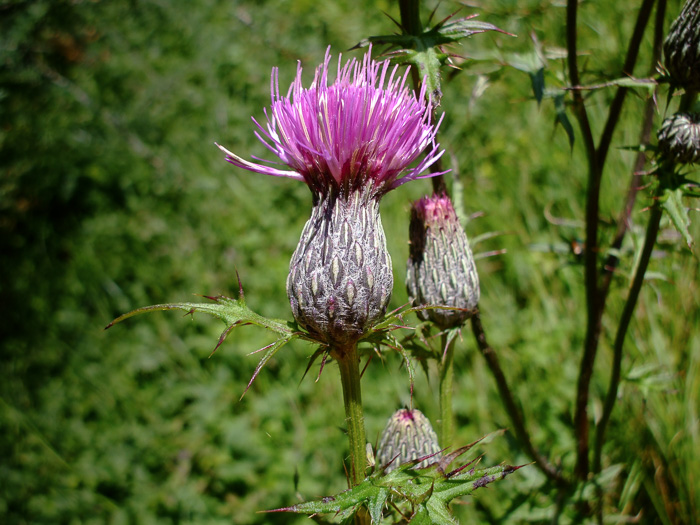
263	348
323	364
241	295
395	21
366	365
191	312
222	338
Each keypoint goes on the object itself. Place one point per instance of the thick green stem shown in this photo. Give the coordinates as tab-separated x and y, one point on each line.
649	242
447	426
349	365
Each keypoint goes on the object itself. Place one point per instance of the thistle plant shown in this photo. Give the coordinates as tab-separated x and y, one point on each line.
358	132
351	142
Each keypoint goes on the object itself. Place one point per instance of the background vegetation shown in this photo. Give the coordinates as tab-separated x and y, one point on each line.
113	196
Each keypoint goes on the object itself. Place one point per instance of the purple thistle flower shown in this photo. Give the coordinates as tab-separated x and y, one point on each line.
351	142
351	134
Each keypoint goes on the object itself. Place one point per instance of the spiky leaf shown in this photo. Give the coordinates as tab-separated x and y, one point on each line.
426	492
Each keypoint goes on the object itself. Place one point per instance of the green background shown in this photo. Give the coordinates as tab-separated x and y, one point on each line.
113	196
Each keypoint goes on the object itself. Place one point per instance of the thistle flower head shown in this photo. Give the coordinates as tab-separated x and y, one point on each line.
364	129
441	269
682	47
679	138
408	435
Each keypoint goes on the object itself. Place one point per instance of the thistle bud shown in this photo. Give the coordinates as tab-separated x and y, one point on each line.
441	269
679	138
682	47
408	435
340	276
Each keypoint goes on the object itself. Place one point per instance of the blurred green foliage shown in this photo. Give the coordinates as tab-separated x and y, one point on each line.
113	196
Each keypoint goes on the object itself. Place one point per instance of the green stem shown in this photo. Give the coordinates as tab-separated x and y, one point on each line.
411	24
410	16
649	242
349	365
446	367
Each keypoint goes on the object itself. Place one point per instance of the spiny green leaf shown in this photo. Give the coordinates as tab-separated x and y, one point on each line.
350	499
234	313
560	108
465	27
537	81
439	512
427	491
424	51
230	311
672	203
376	504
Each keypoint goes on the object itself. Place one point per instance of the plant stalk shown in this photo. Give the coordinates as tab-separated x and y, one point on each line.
596	160
446	365
349	365
623	222
649	242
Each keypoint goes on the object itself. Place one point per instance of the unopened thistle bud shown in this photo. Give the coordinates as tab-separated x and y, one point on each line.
408	435
679	138
351	142
682	47
441	269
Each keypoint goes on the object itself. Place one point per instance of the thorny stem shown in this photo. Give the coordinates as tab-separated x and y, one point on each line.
623	221
410	21
511	407
590	254
666	170
446	367
349	365
410	16
649	242
596	161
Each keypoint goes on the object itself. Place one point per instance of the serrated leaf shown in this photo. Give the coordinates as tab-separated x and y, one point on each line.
446	32
672	203
428	490
230	311
439	512
647	83
376	504
424	51
537	81
348	500
420	516
456	30
428	63
560	109
234	313
531	62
